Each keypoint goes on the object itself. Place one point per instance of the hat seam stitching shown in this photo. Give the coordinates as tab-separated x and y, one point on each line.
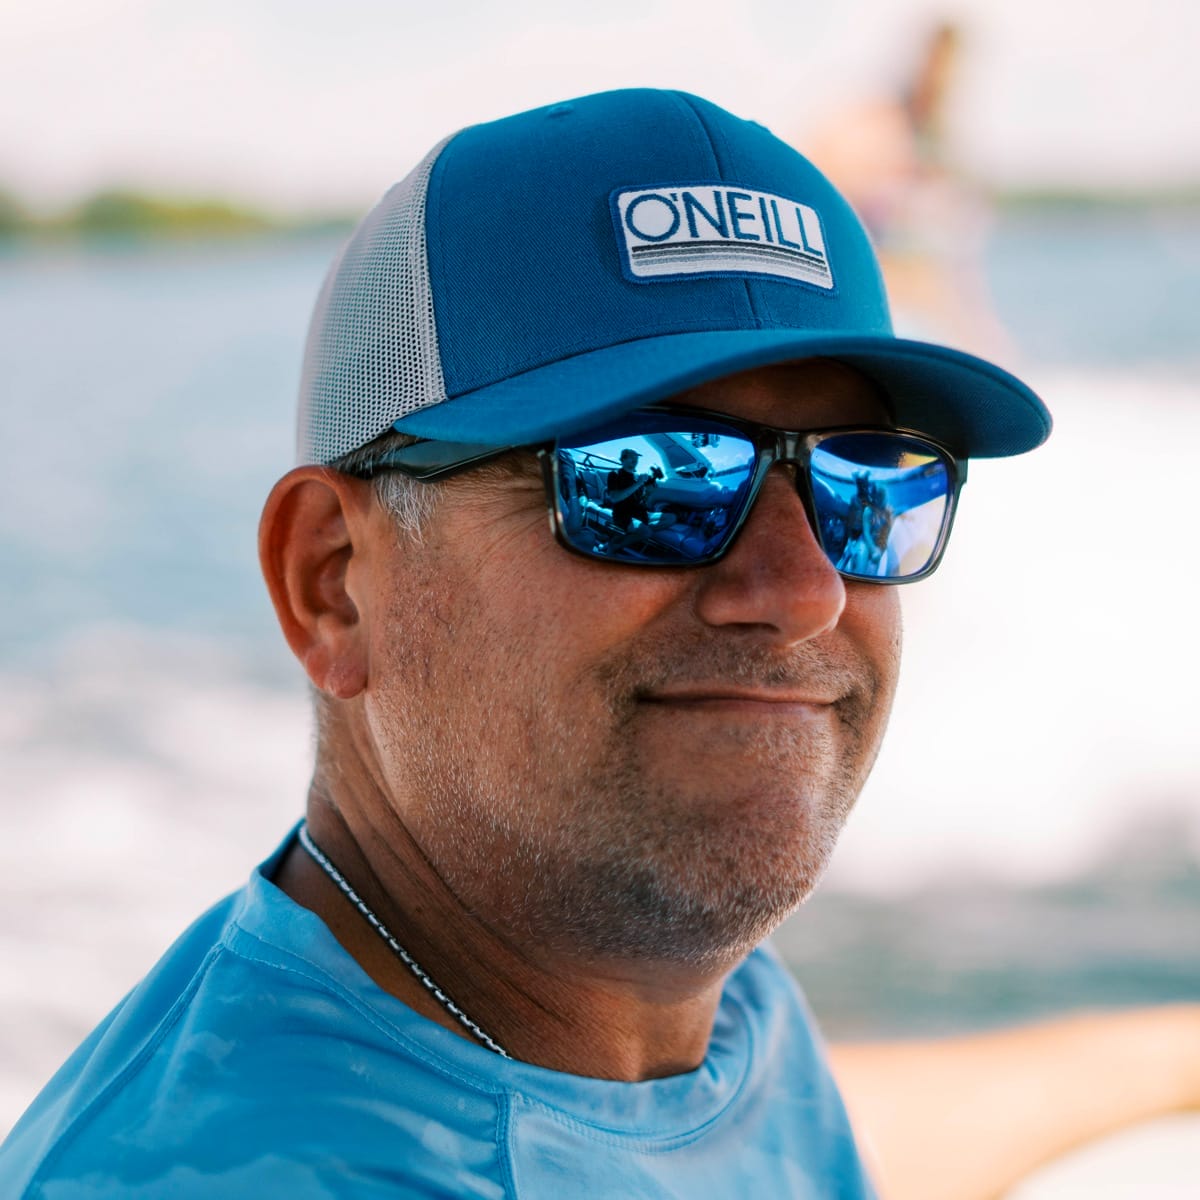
723	159
433	198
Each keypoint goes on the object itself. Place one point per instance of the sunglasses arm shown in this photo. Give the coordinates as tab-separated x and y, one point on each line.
433	460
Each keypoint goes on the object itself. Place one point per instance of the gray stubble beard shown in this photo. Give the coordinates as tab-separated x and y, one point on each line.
631	873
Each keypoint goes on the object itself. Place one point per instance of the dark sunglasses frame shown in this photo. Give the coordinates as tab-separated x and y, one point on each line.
432	460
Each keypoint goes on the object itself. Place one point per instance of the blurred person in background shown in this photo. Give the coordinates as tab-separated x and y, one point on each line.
891	158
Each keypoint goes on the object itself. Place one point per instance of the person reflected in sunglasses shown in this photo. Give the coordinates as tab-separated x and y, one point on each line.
868	528
628	495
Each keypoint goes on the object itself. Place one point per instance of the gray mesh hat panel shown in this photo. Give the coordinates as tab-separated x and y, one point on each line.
372	353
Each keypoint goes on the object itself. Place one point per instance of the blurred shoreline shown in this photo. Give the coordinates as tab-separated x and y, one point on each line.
131	212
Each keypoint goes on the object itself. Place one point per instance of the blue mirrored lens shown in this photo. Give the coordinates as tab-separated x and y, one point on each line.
664	495
881	502
674	493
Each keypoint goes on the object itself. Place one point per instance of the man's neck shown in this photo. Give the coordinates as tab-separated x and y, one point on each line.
609	1021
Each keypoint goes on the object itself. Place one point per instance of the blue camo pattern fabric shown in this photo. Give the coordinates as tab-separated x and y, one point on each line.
258	1060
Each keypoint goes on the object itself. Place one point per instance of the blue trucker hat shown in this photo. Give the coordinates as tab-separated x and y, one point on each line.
540	274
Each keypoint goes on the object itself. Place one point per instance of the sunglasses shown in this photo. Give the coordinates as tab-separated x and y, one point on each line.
672	487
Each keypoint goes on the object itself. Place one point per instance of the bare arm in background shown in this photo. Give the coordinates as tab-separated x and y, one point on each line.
966	1118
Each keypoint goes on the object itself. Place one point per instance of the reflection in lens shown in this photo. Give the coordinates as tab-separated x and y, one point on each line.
881	501
673	492
667	494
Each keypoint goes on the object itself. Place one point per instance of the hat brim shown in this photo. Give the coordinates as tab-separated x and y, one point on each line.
969	404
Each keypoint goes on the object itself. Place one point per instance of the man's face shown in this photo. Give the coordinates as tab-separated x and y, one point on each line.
624	762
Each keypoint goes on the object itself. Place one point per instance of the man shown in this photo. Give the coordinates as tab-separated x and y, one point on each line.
560	797
868	528
627	493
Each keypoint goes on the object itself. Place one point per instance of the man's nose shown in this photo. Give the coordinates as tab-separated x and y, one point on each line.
776	577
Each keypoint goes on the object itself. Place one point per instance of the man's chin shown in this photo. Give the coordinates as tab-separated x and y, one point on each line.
701	913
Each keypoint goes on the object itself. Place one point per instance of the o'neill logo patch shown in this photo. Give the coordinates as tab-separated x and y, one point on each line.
716	229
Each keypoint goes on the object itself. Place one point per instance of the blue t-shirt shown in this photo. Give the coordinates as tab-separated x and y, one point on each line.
258	1060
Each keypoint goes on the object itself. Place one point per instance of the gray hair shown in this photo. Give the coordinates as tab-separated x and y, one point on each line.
409	501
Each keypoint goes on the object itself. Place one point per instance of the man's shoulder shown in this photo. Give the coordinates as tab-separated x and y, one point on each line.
242	1057
99	1076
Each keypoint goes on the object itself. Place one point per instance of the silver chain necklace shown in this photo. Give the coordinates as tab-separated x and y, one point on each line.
321	859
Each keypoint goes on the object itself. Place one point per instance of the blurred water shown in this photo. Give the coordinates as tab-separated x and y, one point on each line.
148	407
1100	288
1008	856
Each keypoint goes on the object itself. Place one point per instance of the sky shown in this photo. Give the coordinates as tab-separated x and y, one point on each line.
300	104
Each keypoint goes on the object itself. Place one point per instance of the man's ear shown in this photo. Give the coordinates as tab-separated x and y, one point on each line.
307	539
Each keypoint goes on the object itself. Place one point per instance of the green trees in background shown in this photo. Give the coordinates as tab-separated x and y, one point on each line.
129	214
13	217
